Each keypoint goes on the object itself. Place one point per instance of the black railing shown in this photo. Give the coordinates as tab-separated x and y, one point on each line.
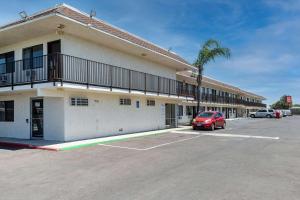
69	69
210	98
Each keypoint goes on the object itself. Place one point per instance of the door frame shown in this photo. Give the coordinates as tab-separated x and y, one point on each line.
31	136
173	113
55	57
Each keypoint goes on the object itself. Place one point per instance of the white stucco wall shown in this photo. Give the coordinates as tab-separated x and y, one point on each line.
104	116
81	48
19	128
18	47
84	49
53	117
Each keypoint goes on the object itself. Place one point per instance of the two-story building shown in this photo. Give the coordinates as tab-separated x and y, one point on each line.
232	101
65	75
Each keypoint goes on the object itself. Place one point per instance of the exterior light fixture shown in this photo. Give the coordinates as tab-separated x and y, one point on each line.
23	15
59	29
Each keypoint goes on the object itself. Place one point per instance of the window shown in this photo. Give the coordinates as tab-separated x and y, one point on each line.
6	111
262	111
125	102
150	102
137	104
7	62
33	57
180	111
79	101
218	115
206	114
189	110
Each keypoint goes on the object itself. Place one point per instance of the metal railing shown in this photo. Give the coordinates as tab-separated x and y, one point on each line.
69	69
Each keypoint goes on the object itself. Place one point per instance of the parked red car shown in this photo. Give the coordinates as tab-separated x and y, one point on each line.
209	120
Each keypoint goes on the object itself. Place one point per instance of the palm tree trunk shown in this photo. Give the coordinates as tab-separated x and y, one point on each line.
199	81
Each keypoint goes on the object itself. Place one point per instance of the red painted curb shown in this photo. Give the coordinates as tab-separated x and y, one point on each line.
26	146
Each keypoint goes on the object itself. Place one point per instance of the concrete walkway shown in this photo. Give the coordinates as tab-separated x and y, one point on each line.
59	146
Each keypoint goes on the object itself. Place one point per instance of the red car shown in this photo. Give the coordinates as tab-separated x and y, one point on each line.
209	120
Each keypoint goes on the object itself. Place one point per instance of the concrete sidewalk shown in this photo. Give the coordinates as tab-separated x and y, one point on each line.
60	146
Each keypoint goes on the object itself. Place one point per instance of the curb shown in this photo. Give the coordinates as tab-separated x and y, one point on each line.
26	146
86	143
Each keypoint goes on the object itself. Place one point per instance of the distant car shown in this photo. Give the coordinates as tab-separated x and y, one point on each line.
209	120
286	113
264	113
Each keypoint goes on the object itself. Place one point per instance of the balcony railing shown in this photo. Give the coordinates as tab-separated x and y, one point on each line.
69	69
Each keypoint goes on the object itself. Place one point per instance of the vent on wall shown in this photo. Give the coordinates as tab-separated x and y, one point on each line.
124	101
79	101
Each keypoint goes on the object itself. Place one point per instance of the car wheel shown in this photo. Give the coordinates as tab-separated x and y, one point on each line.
252	116
269	116
212	128
224	126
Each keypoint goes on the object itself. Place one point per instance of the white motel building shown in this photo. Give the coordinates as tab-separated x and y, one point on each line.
65	75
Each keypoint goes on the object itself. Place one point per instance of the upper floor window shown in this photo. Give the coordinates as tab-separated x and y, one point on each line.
33	57
6	111
7	62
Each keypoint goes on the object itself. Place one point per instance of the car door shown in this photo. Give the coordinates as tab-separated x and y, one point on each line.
218	118
261	113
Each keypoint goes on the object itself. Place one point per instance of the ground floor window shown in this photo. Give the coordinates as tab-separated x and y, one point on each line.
79	101
124	101
189	110
6	111
180	111
150	102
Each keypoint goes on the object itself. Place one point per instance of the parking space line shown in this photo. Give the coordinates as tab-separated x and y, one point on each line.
241	136
227	135
153	147
177	141
131	148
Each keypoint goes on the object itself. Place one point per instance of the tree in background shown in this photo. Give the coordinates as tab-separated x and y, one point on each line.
281	104
210	50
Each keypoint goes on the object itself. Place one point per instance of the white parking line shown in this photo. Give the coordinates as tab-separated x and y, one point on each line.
131	148
165	144
153	147
227	135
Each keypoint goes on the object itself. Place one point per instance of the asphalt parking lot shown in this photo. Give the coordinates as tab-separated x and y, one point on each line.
250	159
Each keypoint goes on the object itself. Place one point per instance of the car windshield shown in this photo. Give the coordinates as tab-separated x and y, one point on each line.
206	114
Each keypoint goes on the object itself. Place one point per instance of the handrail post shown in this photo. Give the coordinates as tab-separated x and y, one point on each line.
145	83
61	66
158	87
129	81
169	87
12	77
87	74
111	77
31	74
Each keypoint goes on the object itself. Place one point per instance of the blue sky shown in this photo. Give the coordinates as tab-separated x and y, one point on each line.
263	35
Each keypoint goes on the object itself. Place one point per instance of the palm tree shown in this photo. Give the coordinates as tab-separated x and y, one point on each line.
210	50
